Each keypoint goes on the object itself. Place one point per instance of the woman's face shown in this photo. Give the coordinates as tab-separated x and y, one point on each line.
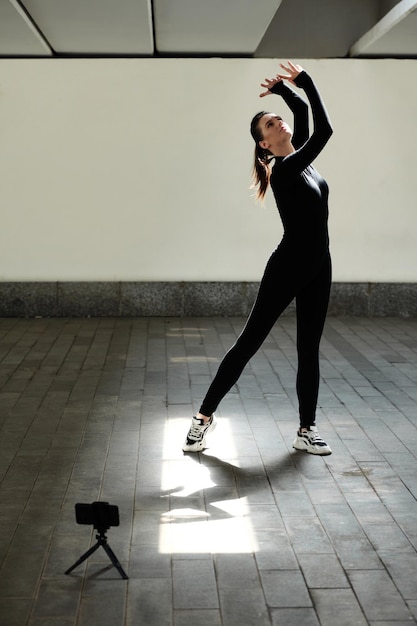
274	130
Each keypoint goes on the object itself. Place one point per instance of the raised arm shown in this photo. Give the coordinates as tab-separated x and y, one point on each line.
296	162
297	104
299	108
306	151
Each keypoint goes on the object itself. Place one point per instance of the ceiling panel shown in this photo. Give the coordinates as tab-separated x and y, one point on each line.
211	26
18	35
319	29
95	26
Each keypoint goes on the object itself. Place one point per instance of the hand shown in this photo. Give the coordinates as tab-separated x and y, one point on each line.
293	72
268	84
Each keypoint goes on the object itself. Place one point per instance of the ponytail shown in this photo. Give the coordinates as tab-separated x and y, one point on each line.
261	171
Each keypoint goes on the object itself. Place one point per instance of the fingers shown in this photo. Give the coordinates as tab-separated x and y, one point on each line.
268	84
291	68
292	72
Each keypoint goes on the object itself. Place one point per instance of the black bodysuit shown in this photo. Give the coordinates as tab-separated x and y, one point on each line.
300	267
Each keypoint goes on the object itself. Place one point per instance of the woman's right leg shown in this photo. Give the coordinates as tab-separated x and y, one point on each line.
261	319
273	297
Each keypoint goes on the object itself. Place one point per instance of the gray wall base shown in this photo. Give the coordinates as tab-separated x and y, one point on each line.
183	299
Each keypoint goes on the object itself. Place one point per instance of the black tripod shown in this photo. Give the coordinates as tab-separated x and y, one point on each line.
101	541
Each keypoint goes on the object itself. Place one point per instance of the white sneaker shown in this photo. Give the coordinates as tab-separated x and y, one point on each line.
311	442
196	437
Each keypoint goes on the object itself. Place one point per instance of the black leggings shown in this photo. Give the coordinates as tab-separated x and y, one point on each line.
275	293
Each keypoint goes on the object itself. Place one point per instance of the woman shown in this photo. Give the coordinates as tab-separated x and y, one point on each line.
299	268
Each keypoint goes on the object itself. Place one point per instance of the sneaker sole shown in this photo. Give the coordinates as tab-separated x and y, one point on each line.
202	443
316	451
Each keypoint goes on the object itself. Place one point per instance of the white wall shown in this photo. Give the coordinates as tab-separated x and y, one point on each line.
139	169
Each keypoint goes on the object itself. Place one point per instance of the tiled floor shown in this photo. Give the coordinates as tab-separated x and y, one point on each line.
250	533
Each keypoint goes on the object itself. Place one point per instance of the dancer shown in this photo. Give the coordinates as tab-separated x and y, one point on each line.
299	268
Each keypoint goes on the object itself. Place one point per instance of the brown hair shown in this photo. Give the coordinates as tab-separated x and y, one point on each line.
261	171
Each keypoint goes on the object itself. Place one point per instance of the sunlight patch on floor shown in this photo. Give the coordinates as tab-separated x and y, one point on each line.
196	522
227	530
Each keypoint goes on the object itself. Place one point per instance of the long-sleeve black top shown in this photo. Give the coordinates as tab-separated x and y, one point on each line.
300	192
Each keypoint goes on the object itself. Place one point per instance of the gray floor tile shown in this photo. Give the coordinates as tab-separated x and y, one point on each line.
57	598
202	617
107	609
307	535
294	617
15	611
378	596
391	623
194	584
402	569
323	571
274	550
285	589
340	606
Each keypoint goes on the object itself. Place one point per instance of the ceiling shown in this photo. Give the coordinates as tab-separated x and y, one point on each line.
208	28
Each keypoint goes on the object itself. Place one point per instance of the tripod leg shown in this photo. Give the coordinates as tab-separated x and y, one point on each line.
84	557
114	560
